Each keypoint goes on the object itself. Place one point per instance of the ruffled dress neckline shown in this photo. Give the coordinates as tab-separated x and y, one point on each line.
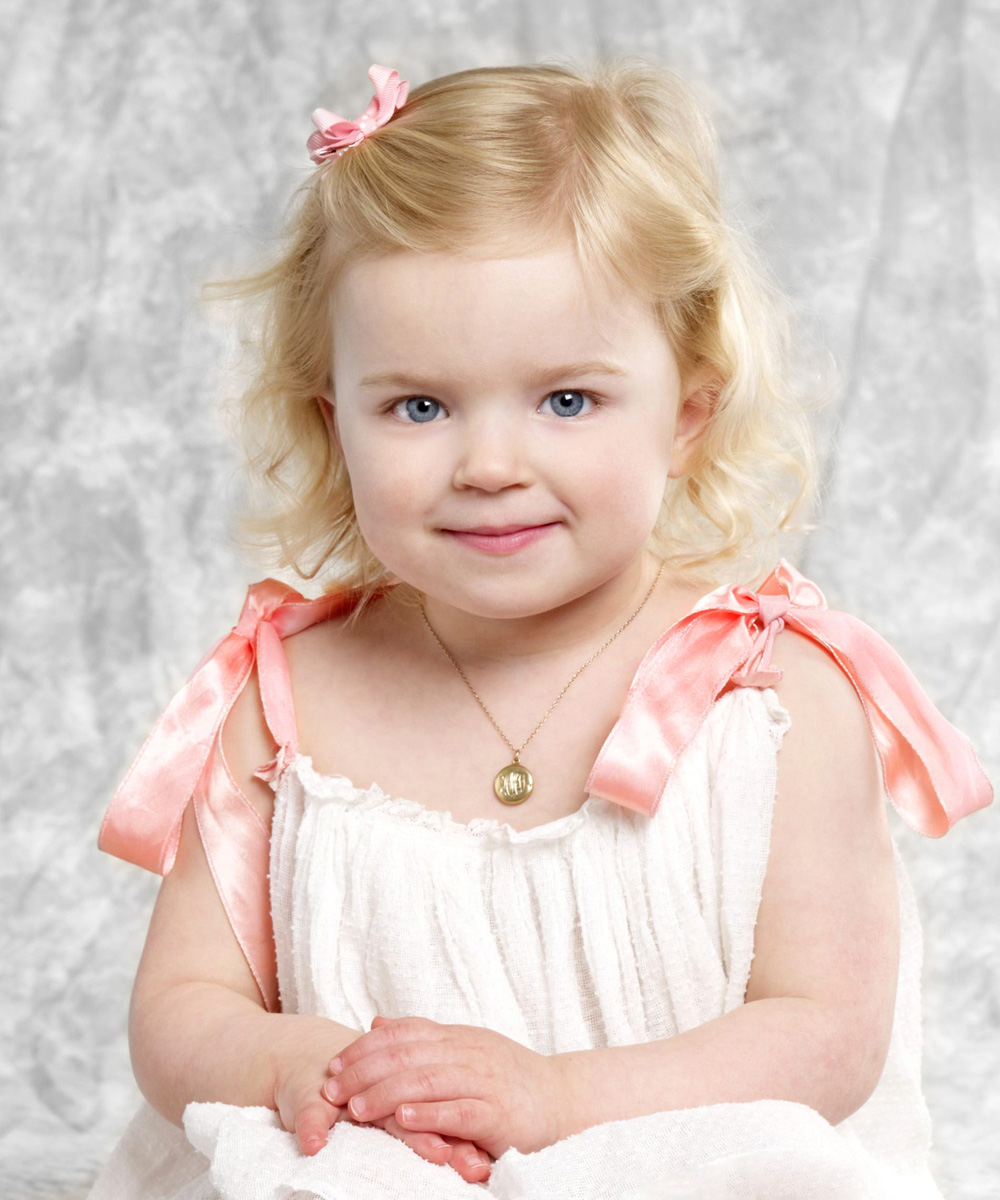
373	799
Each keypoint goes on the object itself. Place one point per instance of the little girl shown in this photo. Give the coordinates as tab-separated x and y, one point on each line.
545	851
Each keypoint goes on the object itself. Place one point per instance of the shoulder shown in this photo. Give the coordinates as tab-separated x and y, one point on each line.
342	649
815	683
246	740
827	926
828	767
827	717
328	662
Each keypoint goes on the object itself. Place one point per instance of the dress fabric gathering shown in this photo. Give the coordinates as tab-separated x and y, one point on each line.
604	927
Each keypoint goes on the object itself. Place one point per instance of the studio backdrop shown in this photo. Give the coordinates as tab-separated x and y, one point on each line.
146	148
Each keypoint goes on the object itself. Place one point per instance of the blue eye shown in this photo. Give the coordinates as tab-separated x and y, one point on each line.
419	411
564	407
416	407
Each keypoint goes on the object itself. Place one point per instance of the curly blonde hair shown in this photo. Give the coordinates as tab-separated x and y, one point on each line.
624	159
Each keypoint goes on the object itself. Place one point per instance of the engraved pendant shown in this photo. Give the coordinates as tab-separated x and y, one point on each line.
513	784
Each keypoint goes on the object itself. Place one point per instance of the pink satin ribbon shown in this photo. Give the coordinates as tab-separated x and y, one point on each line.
335	134
176	765
930	770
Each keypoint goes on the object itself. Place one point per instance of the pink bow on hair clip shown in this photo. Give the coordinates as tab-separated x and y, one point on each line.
334	134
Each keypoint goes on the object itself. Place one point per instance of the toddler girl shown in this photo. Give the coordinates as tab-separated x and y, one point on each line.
545	851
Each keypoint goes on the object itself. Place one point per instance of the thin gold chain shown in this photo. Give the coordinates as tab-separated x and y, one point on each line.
517	750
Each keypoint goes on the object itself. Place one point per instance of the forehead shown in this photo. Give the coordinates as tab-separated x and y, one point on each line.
450	312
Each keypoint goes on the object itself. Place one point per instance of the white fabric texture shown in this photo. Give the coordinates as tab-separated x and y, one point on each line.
605	927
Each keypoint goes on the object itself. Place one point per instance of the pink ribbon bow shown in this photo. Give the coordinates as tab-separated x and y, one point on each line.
176	765
335	134
931	774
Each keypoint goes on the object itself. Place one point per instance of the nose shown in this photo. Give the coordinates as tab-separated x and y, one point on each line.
493	454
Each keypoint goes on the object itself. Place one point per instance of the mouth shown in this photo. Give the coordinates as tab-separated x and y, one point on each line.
501	539
498	530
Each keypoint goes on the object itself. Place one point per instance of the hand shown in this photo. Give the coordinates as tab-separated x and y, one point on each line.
300	1061
468	1159
462	1081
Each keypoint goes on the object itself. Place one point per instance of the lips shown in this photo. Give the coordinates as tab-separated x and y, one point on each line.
499	540
499	530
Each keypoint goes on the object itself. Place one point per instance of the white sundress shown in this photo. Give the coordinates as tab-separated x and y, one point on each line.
605	927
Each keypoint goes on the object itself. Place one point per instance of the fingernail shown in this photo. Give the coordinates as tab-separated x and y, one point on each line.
337	1065
357	1105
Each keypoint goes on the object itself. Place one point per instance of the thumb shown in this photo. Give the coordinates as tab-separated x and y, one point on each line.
312	1124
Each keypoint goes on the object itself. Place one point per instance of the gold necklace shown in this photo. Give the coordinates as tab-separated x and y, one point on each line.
513	783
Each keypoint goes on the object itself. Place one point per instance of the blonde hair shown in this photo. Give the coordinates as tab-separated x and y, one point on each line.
624	160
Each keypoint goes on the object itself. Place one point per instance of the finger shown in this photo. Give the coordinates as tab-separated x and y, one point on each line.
470	1118
390	1064
389	1033
469	1161
337	1062
426	1081
312	1124
431	1146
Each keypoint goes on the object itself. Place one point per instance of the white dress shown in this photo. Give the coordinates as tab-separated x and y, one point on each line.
602	928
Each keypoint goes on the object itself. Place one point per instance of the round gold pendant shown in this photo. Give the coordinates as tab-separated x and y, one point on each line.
513	784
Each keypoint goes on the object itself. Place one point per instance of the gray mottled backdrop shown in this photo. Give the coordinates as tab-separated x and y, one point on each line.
147	147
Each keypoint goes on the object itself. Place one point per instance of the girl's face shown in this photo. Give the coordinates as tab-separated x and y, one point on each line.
501	392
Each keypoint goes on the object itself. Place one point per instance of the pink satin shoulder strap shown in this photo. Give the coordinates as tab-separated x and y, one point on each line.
930	770
177	764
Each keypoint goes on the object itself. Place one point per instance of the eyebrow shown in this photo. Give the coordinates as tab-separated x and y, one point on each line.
549	375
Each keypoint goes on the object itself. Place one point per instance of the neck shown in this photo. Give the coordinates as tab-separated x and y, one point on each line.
582	624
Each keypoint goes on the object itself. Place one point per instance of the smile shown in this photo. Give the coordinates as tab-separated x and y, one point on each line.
502	543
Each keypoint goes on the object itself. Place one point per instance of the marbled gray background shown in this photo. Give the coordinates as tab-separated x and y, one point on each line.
147	147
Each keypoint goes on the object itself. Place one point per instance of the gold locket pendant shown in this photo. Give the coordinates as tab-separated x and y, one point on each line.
513	784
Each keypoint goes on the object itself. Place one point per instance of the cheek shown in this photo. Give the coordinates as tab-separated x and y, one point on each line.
382	498
628	480
383	483
387	495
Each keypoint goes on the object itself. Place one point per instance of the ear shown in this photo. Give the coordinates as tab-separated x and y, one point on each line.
699	398
328	407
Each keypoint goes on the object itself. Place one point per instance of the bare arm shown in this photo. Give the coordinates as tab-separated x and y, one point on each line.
209	1037
817	1017
198	1029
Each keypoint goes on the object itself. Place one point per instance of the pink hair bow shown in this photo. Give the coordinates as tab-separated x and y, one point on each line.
335	134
